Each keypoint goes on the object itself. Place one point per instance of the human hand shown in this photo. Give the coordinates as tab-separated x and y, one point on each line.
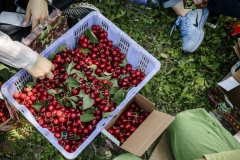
38	9
42	68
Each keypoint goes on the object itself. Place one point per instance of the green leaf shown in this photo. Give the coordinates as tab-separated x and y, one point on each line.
87	102
184	92
87	117
61	48
72	103
93	66
52	91
91	111
59	91
79	73
72	82
74	71
113	90
30	85
94	157
124	63
42	35
81	93
51	57
119	96
74	137
127	156
190	60
70	67
70	86
171	70
106	114
38	105
74	98
6	72
163	55
85	50
115	82
91	36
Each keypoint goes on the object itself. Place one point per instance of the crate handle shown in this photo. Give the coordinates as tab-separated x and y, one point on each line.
235	67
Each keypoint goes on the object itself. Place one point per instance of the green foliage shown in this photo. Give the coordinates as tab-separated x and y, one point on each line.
6	72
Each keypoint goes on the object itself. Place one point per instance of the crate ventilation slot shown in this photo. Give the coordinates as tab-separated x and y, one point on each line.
104	26
80	31
143	64
124	45
22	81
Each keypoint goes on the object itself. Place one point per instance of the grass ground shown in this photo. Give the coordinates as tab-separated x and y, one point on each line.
181	84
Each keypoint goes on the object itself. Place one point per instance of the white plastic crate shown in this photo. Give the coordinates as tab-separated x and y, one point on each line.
136	55
234	68
137	1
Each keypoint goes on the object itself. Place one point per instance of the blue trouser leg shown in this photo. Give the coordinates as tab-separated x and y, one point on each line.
170	3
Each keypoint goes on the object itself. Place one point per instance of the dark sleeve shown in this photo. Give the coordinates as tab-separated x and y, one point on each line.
162	1
225	7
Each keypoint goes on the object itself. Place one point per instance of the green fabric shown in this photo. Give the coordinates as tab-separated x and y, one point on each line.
194	133
228	155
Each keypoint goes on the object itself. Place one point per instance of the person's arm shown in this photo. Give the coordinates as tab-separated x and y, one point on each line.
15	54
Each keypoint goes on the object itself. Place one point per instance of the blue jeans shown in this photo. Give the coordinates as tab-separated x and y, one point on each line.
170	3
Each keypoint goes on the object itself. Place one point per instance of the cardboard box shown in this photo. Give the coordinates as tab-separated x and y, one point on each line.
225	103
237	48
162	151
189	4
151	128
224	98
13	117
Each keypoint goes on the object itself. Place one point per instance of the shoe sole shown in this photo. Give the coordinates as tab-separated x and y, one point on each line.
202	23
79	10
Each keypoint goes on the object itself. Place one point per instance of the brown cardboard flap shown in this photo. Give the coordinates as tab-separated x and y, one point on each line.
236	75
144	103
162	151
237	50
147	133
233	96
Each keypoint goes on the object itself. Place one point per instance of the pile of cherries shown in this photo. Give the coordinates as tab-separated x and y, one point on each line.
128	122
4	114
82	90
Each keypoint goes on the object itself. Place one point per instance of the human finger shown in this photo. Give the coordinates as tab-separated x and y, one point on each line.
27	17
35	23
50	75
43	18
53	67
41	77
